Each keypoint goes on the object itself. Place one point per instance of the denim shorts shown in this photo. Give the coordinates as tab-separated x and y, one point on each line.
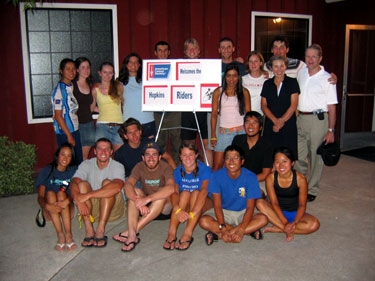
87	131
223	140
104	130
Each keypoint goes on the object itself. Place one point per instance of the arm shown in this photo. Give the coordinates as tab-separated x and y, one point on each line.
60	120
94	107
267	112
247	100
129	188
333	79
162	193
292	108
52	208
167	157
214	115
330	136
263	175
302	197
239	231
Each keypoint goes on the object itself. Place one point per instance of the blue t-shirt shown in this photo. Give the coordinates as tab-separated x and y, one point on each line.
234	192
55	179
189	182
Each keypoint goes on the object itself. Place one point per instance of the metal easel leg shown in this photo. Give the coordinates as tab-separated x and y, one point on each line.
161	122
200	137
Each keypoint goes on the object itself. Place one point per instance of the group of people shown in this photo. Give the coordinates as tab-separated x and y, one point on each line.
249	180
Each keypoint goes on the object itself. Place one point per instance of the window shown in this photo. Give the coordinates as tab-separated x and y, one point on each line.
53	32
265	26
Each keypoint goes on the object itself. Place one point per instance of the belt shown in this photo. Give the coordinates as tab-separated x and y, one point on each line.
306	113
309	113
230	130
113	124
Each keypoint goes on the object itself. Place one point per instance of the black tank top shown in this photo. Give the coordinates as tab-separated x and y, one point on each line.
287	196
84	103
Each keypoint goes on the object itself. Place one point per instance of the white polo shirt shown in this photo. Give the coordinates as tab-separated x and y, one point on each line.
316	91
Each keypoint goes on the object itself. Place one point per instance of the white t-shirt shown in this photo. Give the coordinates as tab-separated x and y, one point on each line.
254	85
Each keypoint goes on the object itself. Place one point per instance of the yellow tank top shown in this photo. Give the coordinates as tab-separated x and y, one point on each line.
109	110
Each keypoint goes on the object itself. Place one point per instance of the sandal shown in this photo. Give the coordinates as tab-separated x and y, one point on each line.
97	240
183	242
134	243
71	246
60	247
170	244
121	238
88	240
210	238
254	235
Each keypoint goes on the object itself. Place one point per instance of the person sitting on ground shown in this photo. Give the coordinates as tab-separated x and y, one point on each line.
96	190
130	153
287	192
257	150
53	195
234	191
190	197
149	201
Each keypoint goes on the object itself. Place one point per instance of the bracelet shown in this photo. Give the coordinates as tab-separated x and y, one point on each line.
191	214
213	138
179	210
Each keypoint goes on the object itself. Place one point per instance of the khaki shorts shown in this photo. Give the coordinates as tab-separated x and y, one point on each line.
231	217
118	210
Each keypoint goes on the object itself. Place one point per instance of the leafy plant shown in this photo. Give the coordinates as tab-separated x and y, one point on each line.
17	160
29	4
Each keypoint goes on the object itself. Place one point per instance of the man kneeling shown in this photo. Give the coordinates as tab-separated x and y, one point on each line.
234	191
152	199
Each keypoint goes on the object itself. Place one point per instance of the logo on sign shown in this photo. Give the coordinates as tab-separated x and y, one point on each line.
159	71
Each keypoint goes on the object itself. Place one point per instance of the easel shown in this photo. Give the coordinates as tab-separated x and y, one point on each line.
185	128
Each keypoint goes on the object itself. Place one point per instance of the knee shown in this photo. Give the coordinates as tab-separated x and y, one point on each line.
315	225
204	222
84	187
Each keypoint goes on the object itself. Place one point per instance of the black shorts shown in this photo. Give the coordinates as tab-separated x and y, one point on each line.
188	121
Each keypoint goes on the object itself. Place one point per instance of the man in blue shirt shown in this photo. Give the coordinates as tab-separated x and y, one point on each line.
234	191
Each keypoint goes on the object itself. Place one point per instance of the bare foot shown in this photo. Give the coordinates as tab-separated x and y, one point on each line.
272	229
289	237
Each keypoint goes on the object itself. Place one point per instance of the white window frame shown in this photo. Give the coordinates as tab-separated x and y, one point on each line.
25	50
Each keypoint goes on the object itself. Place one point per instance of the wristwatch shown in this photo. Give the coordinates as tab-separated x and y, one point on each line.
331	130
222	225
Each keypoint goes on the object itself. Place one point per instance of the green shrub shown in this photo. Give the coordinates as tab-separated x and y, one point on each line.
17	160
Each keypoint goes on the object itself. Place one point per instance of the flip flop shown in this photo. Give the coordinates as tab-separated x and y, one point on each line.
187	241
121	236
253	234
135	243
71	246
88	239
60	247
97	240
213	239
170	244
39	219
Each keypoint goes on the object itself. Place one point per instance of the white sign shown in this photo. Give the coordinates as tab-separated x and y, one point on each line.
180	85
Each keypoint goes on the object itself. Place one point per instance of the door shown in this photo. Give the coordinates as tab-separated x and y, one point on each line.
358	102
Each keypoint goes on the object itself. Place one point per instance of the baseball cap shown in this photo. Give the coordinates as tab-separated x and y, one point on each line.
330	153
151	144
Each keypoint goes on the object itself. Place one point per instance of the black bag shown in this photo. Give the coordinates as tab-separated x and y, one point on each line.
330	153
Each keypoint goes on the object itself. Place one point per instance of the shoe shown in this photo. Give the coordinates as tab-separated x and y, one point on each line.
39	219
183	242
210	238
121	238
71	246
310	197
260	237
60	247
170	244
134	243
88	240
97	240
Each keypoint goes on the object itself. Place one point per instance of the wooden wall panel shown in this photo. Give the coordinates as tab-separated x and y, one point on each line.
143	22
